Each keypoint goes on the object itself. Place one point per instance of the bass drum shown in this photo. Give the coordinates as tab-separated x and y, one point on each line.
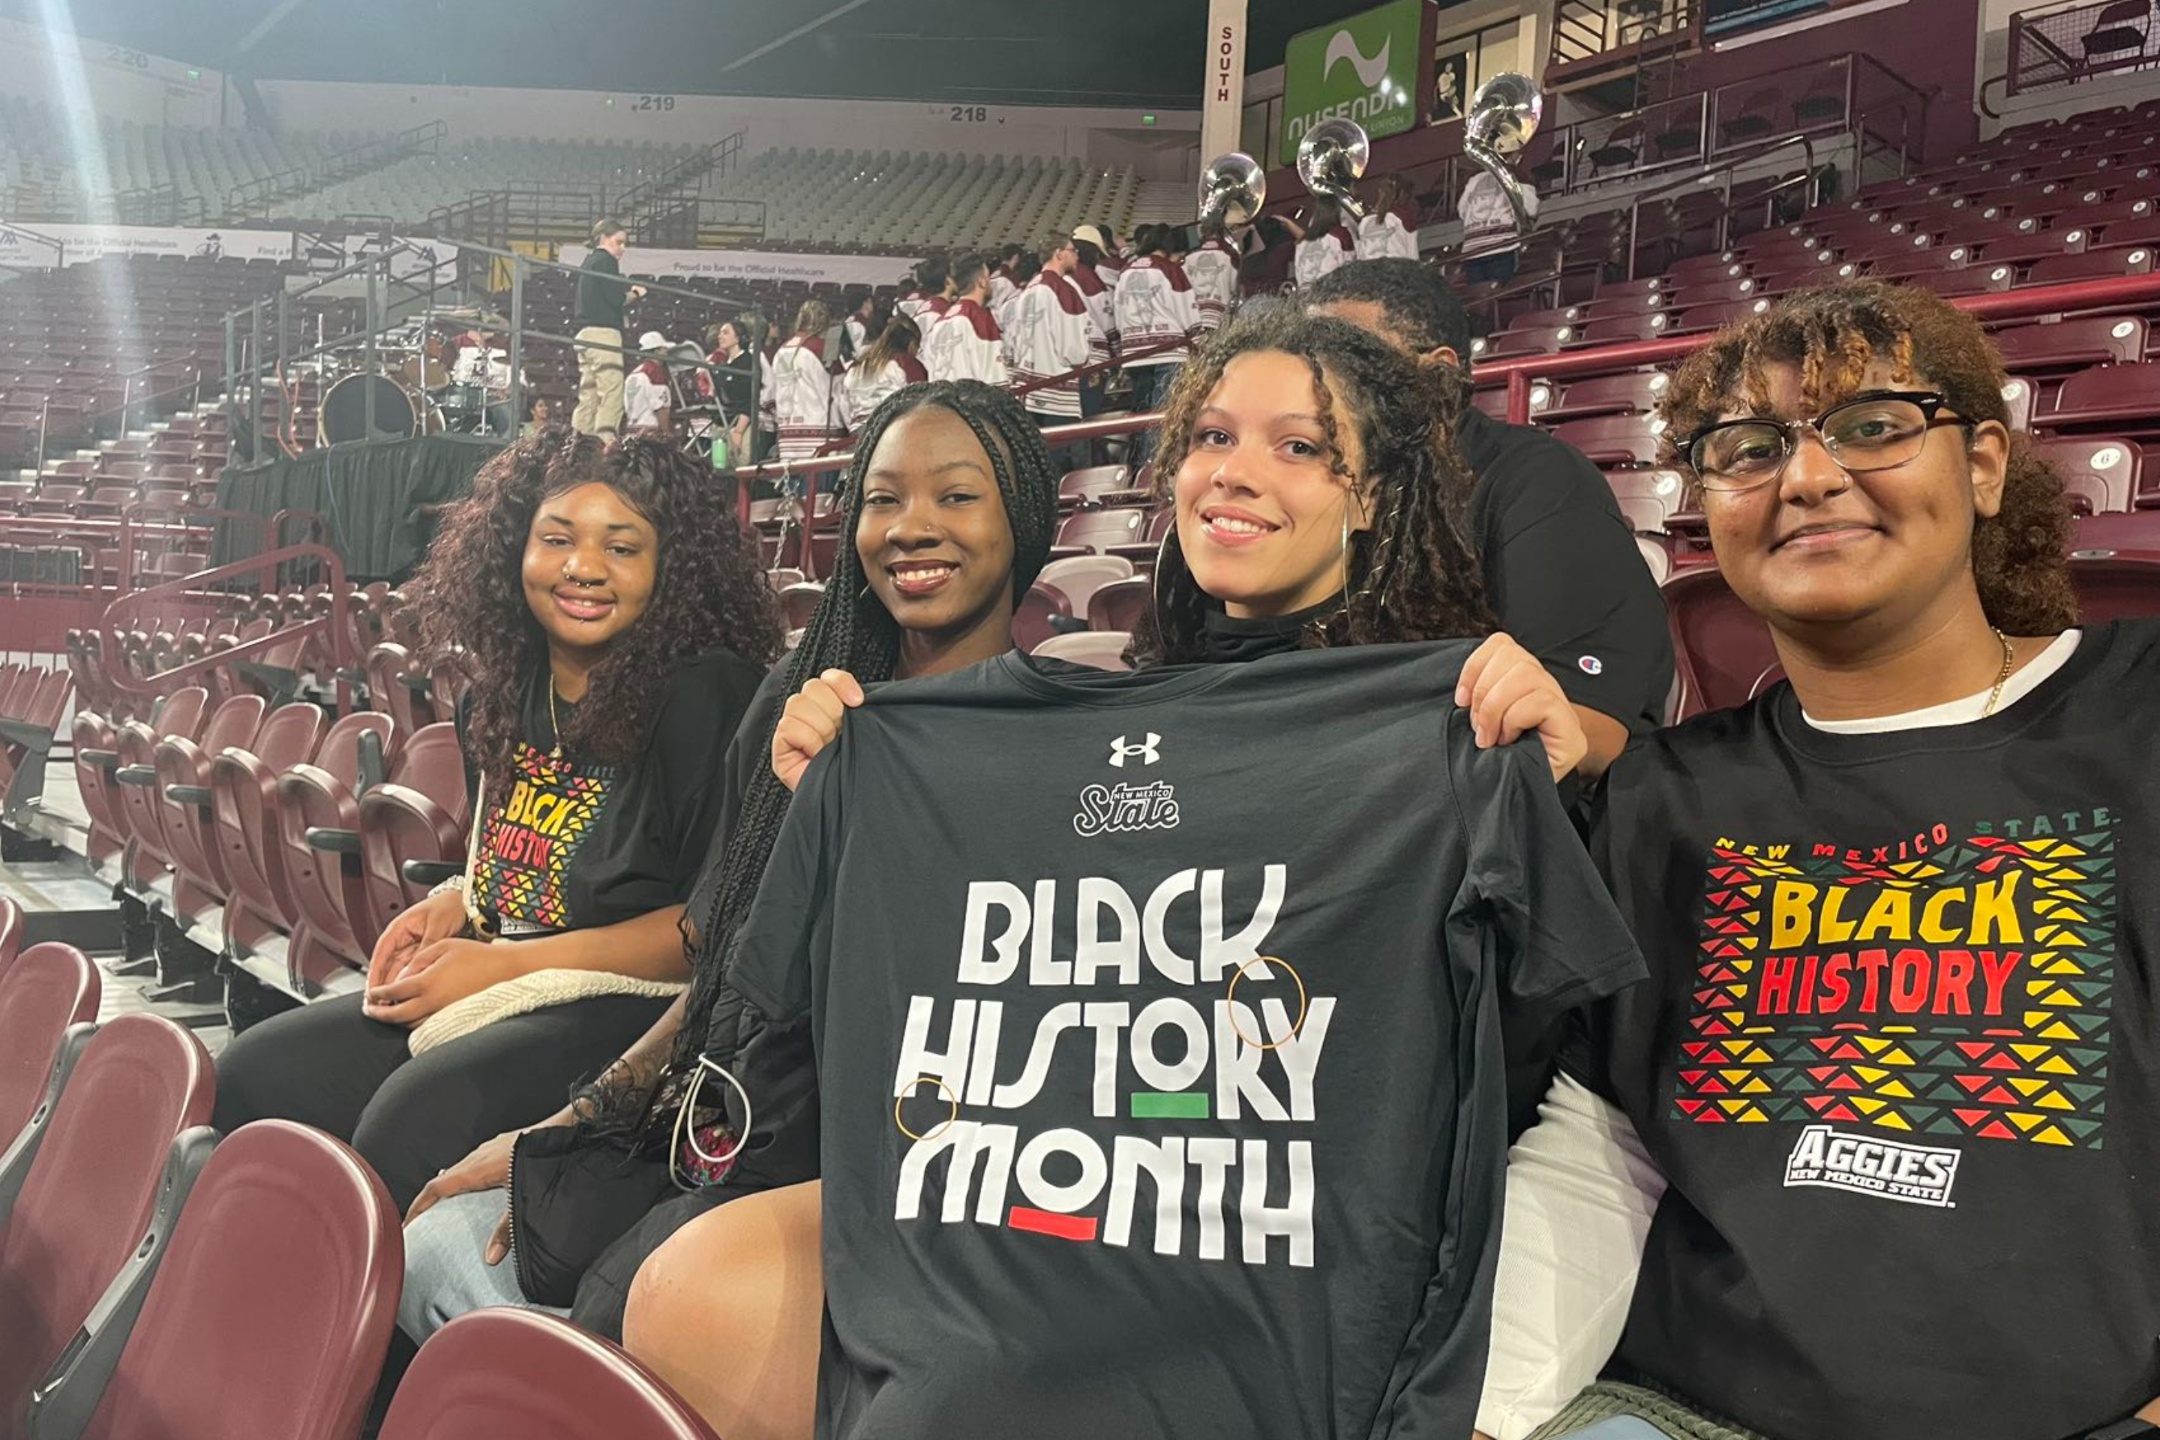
398	413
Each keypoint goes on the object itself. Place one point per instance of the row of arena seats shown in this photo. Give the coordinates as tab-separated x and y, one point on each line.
50	174
407	190
88	349
280	808
145	1262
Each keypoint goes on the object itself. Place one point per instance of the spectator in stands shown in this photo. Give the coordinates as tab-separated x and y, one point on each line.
1561	566
735	382
943	473
927	293
1369	549
612	618
1155	308
1935	1246
1324	242
1054	334
1390	227
1086	277
1005	279
539	420
965	343
601	296
1026	266
1114	256
802	386
884	368
1213	269
1492	239
648	398
857	328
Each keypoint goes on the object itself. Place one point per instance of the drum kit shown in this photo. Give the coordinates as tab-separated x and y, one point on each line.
423	381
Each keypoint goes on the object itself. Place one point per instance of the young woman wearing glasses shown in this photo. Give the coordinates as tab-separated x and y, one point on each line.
1870	1153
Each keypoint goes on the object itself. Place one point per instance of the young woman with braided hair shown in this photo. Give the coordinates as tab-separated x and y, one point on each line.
952	502
609	610
1319	503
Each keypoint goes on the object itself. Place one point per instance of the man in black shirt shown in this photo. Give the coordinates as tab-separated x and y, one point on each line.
601	296
1562	570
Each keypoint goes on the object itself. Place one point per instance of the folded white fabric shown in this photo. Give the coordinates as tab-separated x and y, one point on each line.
522	996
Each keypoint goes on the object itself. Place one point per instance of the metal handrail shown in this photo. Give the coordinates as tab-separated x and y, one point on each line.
334	623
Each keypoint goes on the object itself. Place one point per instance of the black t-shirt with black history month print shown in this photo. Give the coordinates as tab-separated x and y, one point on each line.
571	844
1189	982
1899	1059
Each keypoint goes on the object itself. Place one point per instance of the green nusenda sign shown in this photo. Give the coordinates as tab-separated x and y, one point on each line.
1363	69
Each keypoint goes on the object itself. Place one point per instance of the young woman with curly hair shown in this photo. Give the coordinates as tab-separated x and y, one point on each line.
615	623
1319	503
1869	1154
952	502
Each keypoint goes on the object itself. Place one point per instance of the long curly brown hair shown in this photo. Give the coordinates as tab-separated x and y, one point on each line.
708	590
1833	333
1415	574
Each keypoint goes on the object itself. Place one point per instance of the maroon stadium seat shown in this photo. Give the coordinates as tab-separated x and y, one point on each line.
245	808
1032	616
1078	577
91	1187
325	794
1536	340
1968	280
1702	319
2115	587
1611	440
388	665
510	1374
1649	498
2072	344
285	1267
183	772
141	810
1721	649
2091	265
1089	486
48	988
2107	534
2125	395
2107	470
1635	393
1121	604
419	816
1099	530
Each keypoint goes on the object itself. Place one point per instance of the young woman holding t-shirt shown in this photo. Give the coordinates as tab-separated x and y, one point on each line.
611	611
1870	1154
952	502
1319	503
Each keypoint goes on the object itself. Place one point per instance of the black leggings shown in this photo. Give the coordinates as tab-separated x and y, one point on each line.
329	1066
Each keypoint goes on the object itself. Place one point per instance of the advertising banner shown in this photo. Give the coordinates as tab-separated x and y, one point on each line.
1364	68
757	265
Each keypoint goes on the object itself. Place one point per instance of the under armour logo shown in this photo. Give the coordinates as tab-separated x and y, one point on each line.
1148	750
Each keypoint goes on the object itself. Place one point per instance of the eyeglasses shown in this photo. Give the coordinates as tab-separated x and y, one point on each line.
1874	432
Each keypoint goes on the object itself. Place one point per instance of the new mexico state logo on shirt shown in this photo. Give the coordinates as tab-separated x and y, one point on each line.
1947	984
532	834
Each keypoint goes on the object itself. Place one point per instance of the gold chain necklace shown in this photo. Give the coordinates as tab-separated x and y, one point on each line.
555	726
1994	696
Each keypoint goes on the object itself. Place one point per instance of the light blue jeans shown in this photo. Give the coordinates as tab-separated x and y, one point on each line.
446	1269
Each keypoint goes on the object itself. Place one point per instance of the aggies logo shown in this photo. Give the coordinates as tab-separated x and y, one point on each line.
1104	808
1888	1169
